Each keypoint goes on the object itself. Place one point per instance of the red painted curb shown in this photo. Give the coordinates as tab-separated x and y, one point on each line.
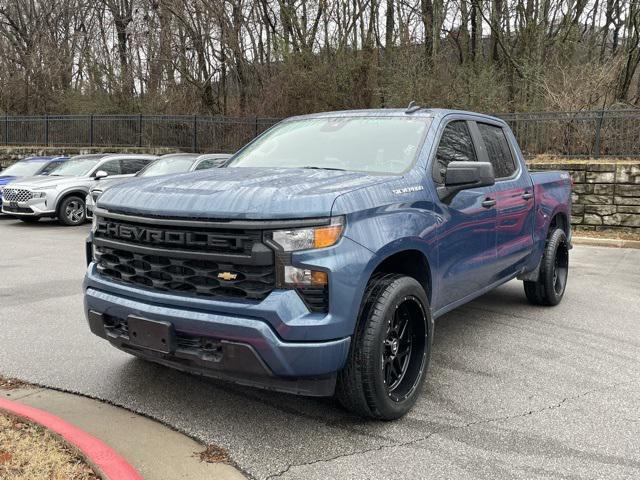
111	465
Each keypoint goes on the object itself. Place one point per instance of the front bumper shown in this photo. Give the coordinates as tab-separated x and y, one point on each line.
281	344
36	207
247	349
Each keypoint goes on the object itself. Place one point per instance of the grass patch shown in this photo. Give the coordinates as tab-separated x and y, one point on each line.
12	383
29	452
214	454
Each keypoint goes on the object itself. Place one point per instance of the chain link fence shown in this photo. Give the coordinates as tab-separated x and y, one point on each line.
584	133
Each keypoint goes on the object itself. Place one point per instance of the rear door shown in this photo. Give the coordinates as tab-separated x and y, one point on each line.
131	166
514	196
466	234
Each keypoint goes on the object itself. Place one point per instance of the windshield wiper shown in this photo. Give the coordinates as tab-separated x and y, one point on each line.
325	168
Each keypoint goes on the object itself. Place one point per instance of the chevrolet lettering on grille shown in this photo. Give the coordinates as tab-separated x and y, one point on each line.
141	234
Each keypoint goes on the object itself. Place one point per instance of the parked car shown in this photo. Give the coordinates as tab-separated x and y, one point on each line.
29	167
62	193
171	163
316	261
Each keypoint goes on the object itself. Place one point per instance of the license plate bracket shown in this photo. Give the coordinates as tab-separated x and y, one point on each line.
154	335
13	204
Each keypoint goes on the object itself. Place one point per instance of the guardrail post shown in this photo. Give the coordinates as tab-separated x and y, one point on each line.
91	130
140	130
596	146
46	130
6	130
195	133
255	127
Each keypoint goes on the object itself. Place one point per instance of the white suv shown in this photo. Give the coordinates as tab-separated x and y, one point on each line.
61	194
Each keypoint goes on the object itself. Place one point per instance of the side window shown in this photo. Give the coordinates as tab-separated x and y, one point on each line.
112	167
498	150
210	163
455	146
131	166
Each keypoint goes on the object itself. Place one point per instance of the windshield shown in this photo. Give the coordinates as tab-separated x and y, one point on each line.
23	169
365	144
75	168
165	166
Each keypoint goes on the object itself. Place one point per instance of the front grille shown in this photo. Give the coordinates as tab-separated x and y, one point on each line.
10	209
17	195
179	275
200	261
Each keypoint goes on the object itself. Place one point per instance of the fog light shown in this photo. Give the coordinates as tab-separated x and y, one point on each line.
304	276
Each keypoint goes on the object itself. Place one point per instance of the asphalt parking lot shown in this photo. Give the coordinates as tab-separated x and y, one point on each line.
514	391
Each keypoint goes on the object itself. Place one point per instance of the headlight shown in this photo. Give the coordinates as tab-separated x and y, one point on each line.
307	238
38	194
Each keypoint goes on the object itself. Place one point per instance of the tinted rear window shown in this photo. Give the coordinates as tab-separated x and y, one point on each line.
498	150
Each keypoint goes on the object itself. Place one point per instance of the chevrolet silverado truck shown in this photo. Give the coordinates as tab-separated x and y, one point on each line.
169	164
317	260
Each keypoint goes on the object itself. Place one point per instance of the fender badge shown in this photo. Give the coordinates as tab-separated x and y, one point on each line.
415	188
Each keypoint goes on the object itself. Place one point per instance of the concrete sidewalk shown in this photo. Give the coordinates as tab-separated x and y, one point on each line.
156	451
605	242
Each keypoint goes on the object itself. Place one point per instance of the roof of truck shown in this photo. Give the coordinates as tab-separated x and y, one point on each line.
396	112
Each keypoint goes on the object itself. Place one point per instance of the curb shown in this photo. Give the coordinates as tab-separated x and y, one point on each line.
109	464
605	242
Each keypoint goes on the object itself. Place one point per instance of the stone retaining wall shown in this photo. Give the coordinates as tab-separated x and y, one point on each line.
8	155
606	195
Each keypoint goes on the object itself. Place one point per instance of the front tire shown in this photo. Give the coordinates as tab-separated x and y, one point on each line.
72	211
390	350
549	289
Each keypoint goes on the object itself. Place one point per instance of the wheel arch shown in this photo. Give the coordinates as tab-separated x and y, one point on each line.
559	220
69	193
409	261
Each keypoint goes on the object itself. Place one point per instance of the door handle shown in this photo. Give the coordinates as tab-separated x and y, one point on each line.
488	203
527	195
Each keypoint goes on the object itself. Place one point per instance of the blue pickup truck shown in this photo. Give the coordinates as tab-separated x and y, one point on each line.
317	261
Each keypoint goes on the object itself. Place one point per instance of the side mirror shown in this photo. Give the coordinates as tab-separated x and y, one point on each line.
465	175
100	174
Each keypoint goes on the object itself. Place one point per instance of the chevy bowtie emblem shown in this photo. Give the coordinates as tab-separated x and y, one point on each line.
227	276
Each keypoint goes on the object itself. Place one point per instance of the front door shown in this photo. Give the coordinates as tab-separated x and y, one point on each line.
467	231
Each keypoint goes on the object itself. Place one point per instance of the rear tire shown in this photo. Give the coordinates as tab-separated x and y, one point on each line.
549	289
72	211
390	350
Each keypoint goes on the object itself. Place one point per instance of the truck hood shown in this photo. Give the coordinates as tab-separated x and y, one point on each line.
237	193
